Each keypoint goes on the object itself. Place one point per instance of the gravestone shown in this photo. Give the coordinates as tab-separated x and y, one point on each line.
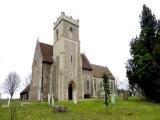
74	97
112	100
52	100
49	99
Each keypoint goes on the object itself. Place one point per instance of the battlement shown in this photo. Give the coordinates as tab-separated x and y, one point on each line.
67	18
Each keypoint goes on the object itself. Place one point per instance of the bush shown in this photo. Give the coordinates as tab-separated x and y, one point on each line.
59	108
87	96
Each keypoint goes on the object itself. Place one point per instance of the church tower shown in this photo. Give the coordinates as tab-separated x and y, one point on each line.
66	70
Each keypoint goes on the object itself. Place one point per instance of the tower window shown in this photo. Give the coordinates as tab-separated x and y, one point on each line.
71	58
71	29
57	34
87	84
70	32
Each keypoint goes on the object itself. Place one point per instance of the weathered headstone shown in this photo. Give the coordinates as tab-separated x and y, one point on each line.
49	99
74	97
112	100
52	100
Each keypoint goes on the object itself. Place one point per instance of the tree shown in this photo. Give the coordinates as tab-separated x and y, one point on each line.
120	83
106	89
28	80
143	69
11	83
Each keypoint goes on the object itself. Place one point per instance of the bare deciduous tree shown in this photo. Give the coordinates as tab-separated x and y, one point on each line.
28	80
11	83
118	82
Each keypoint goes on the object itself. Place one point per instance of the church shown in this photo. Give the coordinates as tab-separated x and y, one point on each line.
61	70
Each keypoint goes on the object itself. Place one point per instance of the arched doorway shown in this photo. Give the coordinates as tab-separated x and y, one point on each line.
70	92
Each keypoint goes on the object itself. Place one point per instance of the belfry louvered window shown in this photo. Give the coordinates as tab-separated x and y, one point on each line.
87	84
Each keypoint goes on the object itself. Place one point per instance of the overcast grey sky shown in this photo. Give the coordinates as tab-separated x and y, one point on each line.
106	28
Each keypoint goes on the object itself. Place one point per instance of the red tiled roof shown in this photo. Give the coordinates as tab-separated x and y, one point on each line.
47	52
85	63
98	71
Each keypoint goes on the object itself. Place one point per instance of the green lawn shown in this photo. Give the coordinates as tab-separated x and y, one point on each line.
132	109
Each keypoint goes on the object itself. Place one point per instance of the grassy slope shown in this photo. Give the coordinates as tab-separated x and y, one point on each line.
132	109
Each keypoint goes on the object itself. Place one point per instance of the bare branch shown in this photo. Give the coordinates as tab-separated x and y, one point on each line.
28	80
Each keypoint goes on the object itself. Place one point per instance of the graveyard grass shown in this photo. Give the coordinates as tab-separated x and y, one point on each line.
131	109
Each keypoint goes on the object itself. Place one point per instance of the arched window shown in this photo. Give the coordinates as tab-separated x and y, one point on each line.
57	34
101	85
95	85
71	58
70	32
111	86
35	72
87	84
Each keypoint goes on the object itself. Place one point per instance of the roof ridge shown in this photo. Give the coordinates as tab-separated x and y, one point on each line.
45	43
99	65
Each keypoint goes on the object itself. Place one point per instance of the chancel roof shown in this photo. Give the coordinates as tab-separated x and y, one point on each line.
98	71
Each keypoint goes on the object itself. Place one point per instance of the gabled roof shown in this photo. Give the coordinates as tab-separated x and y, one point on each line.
47	52
25	90
98	71
85	63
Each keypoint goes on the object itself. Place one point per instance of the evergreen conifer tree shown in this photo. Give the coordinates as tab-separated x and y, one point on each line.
143	69
106	89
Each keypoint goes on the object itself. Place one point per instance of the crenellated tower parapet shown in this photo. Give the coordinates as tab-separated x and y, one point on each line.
67	18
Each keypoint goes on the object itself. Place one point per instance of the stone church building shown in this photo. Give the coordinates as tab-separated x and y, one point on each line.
61	70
